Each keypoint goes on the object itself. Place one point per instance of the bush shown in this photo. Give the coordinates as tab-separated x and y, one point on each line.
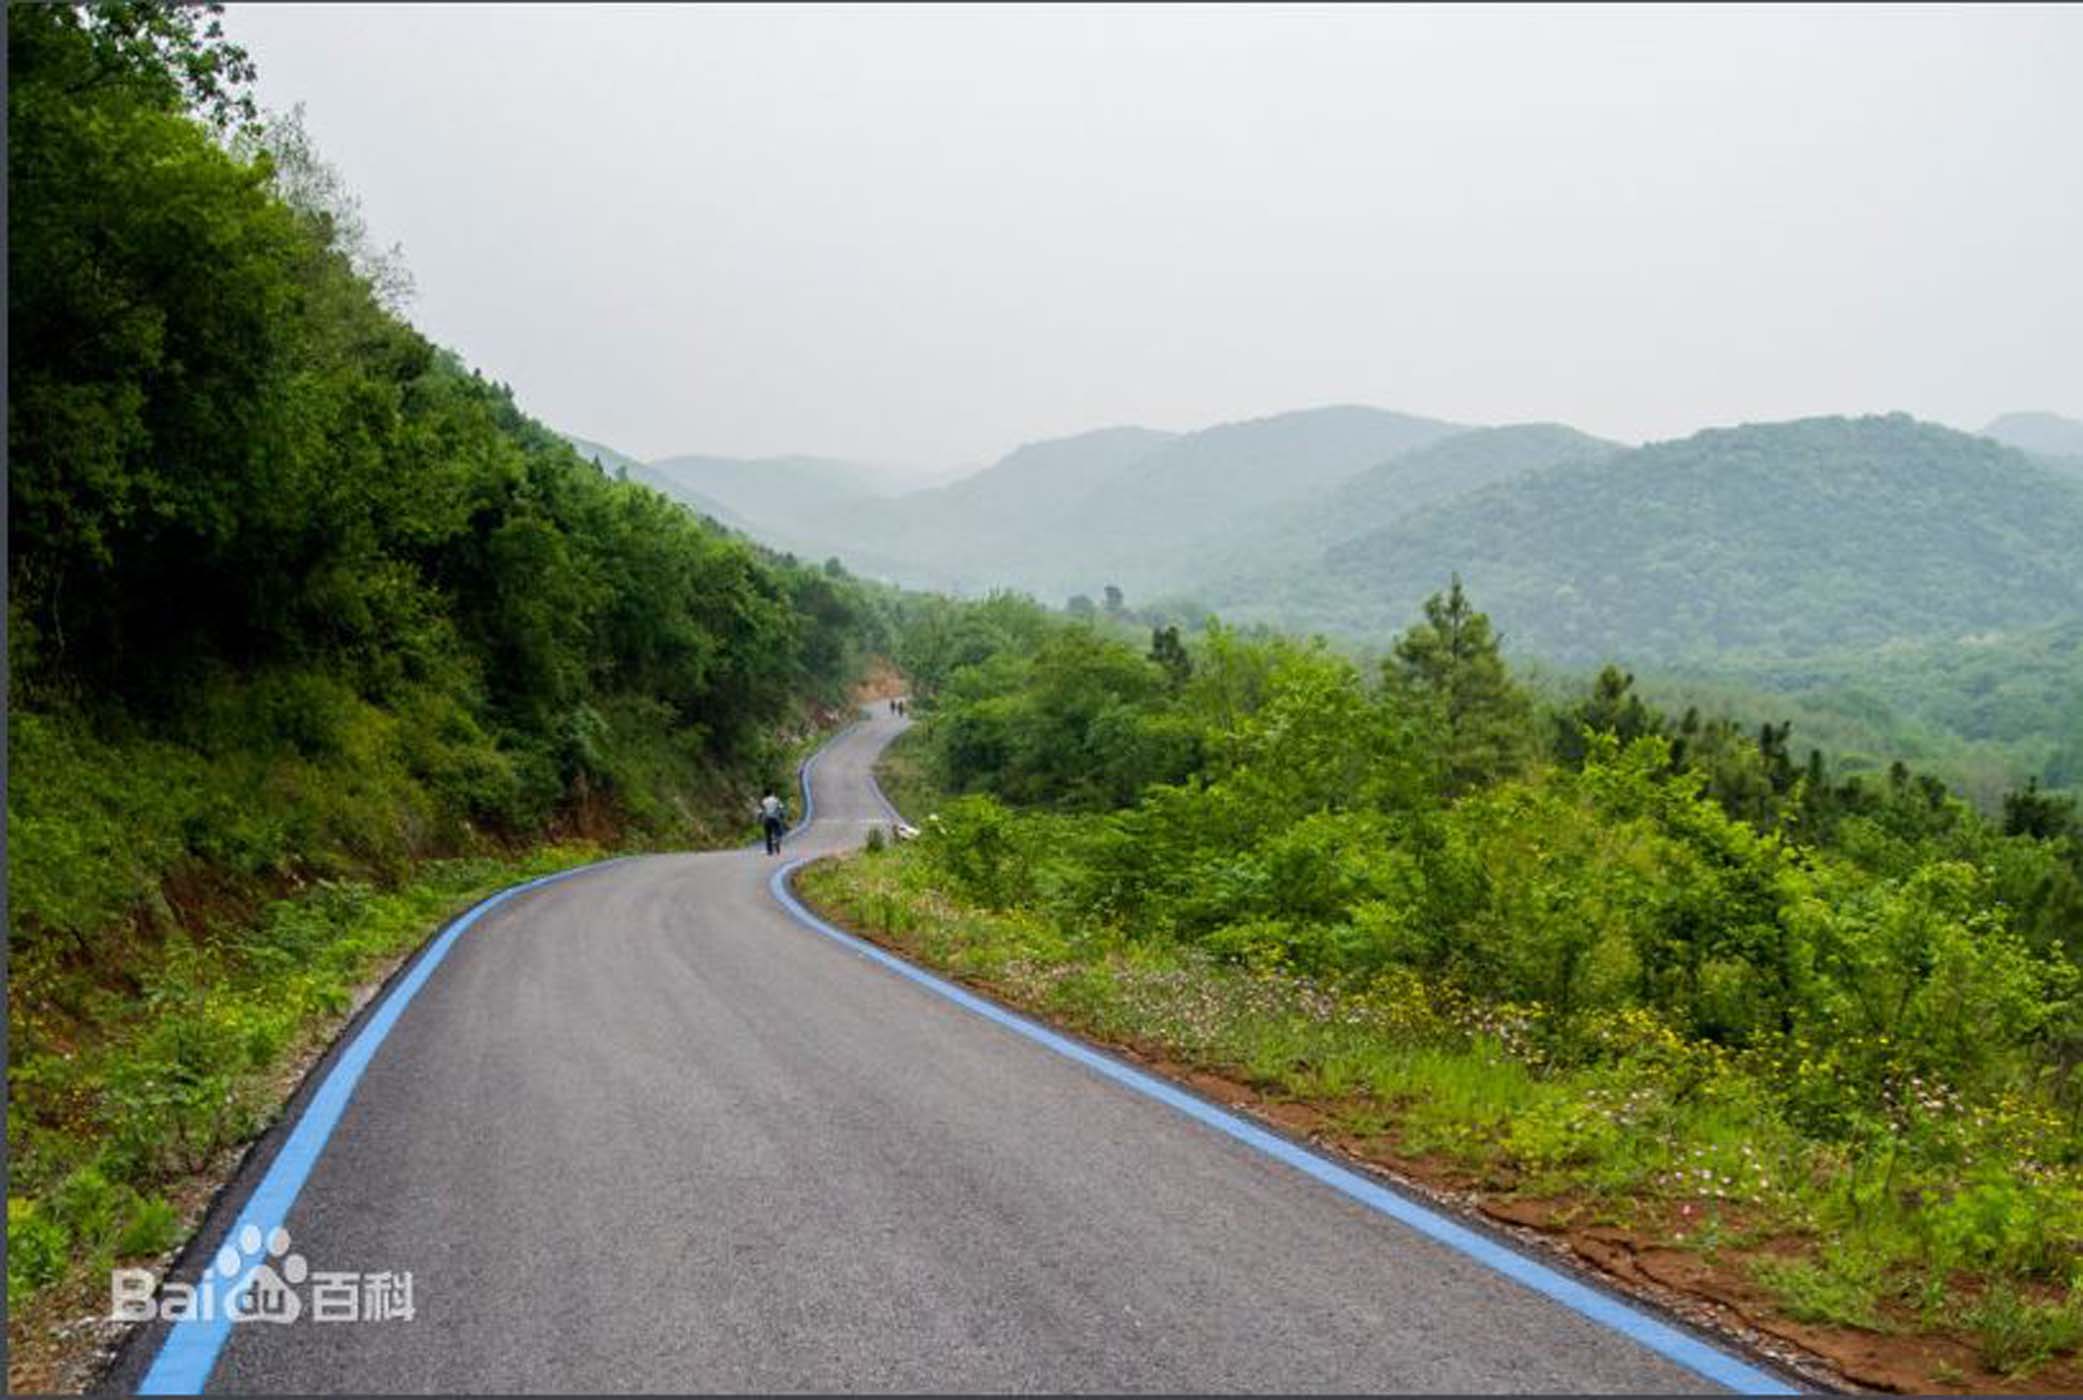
153	1229
974	842
37	1250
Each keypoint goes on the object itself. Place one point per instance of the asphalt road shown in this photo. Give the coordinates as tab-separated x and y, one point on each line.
642	1131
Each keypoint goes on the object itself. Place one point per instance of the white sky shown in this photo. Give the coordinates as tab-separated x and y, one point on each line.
925	236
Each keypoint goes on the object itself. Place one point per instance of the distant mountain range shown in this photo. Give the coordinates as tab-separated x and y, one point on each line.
1154	524
1127	506
617	463
1766	540
2042	434
772	490
1905	587
984	530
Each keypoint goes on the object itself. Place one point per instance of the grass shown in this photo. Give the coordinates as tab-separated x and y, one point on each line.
2017	1333
905	779
1843	1289
1676	1143
114	1130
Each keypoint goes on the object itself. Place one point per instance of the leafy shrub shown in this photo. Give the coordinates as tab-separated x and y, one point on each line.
973	841
37	1250
152	1229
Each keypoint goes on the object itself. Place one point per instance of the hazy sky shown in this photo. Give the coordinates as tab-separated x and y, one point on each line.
925	236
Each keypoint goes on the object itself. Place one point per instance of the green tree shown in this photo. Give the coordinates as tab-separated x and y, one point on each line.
1611	708
1449	672
2043	816
1170	655
169	55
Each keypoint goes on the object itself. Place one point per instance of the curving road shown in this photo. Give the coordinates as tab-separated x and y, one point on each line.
642	1130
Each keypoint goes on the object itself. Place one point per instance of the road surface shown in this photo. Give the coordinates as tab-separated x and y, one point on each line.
641	1130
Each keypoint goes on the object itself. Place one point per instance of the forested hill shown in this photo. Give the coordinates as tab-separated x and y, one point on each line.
1145	528
1250	562
621	464
1450	467
290	588
1786	538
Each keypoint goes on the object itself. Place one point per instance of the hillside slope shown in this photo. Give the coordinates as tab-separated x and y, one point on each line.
768	492
622	464
1260	555
1147	529
1783	538
1984	711
1125	505
1049	478
966	535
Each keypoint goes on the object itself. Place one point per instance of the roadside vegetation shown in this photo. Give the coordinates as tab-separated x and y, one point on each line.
188	1058
314	637
1984	713
1815	1037
903	773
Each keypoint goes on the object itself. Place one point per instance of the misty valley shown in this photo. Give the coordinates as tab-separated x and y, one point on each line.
1897	589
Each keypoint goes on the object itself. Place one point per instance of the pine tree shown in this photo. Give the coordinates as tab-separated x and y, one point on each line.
1448	669
1688	735
1772	753
1170	653
2030	812
1611	708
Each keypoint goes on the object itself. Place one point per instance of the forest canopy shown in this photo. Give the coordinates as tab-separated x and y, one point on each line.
233	466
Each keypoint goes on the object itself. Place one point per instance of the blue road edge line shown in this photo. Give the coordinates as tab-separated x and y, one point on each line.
889	808
803	779
188	1353
1637	1326
807	792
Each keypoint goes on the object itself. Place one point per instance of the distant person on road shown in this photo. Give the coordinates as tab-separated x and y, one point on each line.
773	818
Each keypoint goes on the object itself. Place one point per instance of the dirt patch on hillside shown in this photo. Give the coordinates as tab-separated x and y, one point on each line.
882	682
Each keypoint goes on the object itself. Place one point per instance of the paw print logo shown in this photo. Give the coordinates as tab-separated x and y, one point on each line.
272	1295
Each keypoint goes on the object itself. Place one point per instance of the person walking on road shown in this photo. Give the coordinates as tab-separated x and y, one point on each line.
773	818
